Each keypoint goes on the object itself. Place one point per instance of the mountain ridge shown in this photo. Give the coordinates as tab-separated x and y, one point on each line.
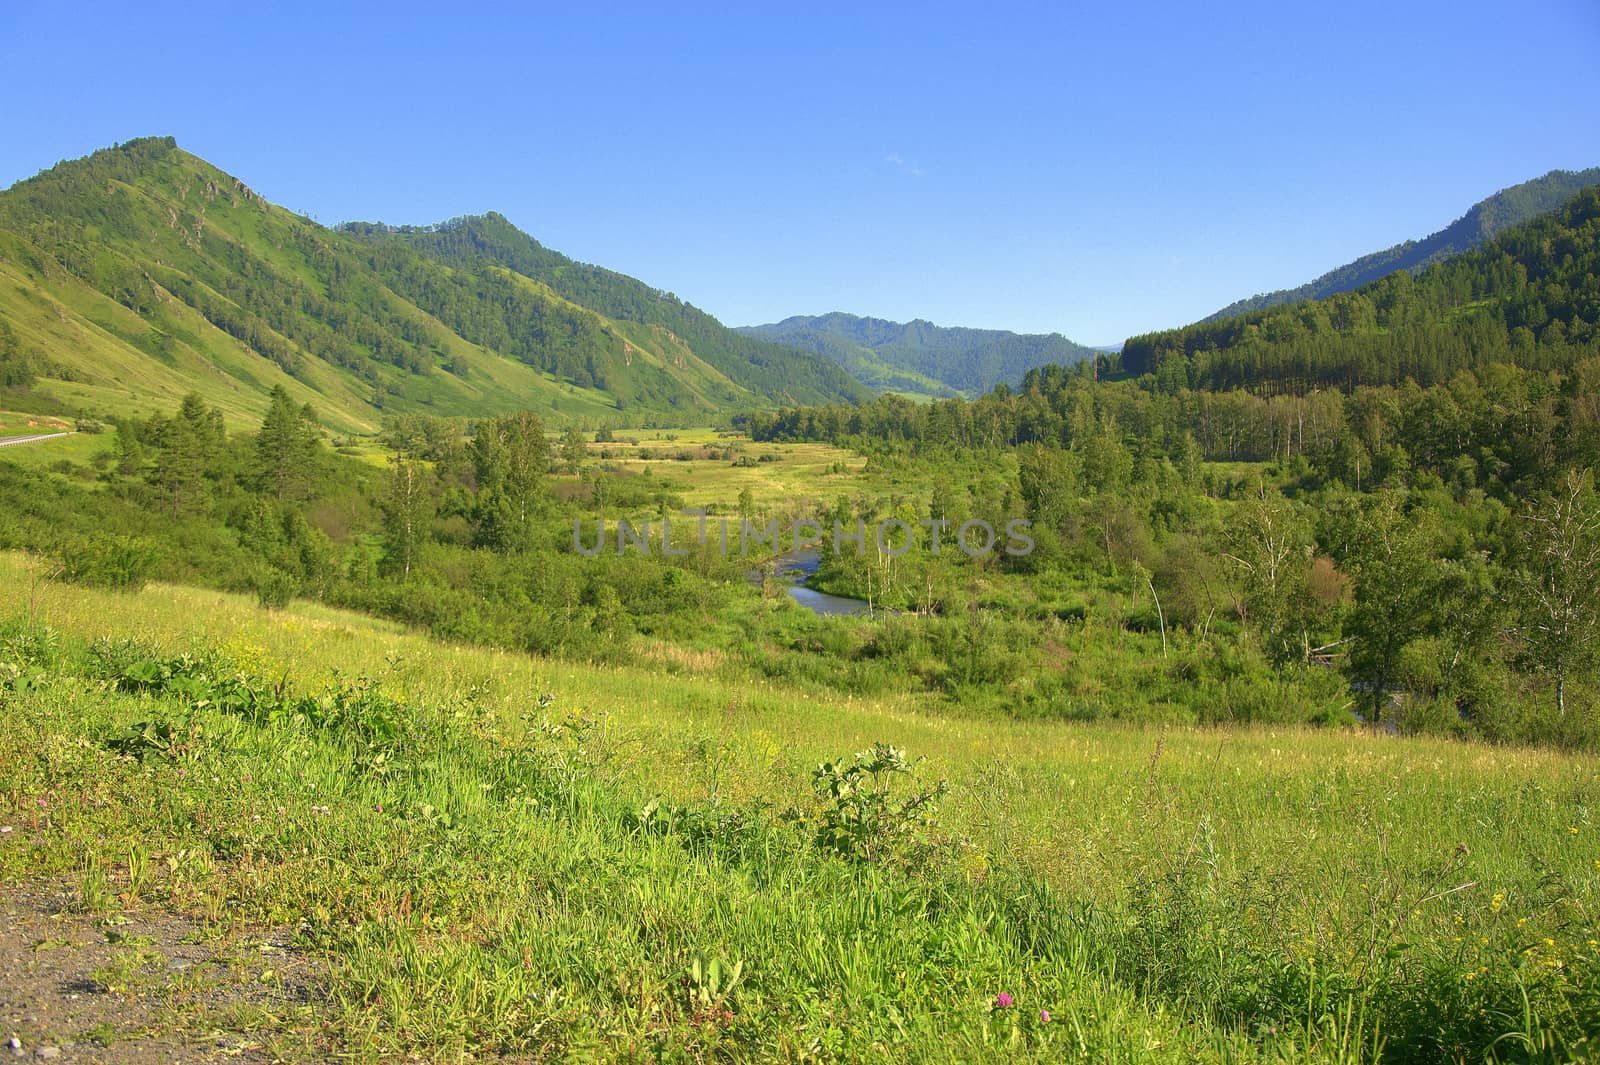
1528	297
141	272
1502	210
919	356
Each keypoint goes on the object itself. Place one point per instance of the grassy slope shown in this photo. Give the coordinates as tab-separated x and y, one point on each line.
1206	870
177	219
111	356
865	364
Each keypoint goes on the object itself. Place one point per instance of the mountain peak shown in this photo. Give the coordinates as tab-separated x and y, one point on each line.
141	272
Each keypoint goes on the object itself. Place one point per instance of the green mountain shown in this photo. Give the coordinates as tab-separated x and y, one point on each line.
490	243
919	357
1506	208
140	273
1529	297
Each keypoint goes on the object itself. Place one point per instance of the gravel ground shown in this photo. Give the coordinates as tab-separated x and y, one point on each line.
140	986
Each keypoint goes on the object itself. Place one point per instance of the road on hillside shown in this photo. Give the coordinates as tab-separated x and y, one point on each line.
7	441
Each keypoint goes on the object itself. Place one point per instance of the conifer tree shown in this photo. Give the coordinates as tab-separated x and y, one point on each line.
286	447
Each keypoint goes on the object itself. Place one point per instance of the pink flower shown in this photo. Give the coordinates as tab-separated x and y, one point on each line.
380	807
1044	1016
1002	1001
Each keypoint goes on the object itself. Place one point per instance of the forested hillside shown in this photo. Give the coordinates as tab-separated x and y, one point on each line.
481	244
1530	297
1506	208
920	357
141	273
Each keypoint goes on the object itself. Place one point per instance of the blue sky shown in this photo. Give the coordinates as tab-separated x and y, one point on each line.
1097	170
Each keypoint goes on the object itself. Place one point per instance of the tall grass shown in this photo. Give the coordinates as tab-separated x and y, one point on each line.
500	854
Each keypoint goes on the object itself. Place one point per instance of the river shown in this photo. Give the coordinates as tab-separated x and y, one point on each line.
797	567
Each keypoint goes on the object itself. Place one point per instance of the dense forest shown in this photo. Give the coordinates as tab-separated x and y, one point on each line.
1506	208
1428	525
1530	298
481	244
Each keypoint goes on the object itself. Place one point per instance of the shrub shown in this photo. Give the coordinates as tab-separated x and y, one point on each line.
862	818
121	563
274	588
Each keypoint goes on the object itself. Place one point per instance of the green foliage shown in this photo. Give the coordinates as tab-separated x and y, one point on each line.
863	818
123	563
274	588
1559	548
1508	207
183	278
406	513
1522	298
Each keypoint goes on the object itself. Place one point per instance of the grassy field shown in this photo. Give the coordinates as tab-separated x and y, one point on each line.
14	423
72	456
782	475
484	853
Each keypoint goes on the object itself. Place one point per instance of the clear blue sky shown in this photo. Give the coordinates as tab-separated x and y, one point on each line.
1096	170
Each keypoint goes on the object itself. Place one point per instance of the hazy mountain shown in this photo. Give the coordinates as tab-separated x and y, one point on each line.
919	357
1508	207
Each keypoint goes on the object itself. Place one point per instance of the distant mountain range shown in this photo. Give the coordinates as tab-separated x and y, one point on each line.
140	273
921	358
1506	208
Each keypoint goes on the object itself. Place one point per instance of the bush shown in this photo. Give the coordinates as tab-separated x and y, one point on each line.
274	588
121	563
862	818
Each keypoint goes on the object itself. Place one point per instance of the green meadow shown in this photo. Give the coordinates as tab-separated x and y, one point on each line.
484	853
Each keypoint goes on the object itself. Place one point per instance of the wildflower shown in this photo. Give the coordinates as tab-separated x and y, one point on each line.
1002	1001
380	807
1498	901
1044	1016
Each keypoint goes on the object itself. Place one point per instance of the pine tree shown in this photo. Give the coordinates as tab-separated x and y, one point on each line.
286	447
186	446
